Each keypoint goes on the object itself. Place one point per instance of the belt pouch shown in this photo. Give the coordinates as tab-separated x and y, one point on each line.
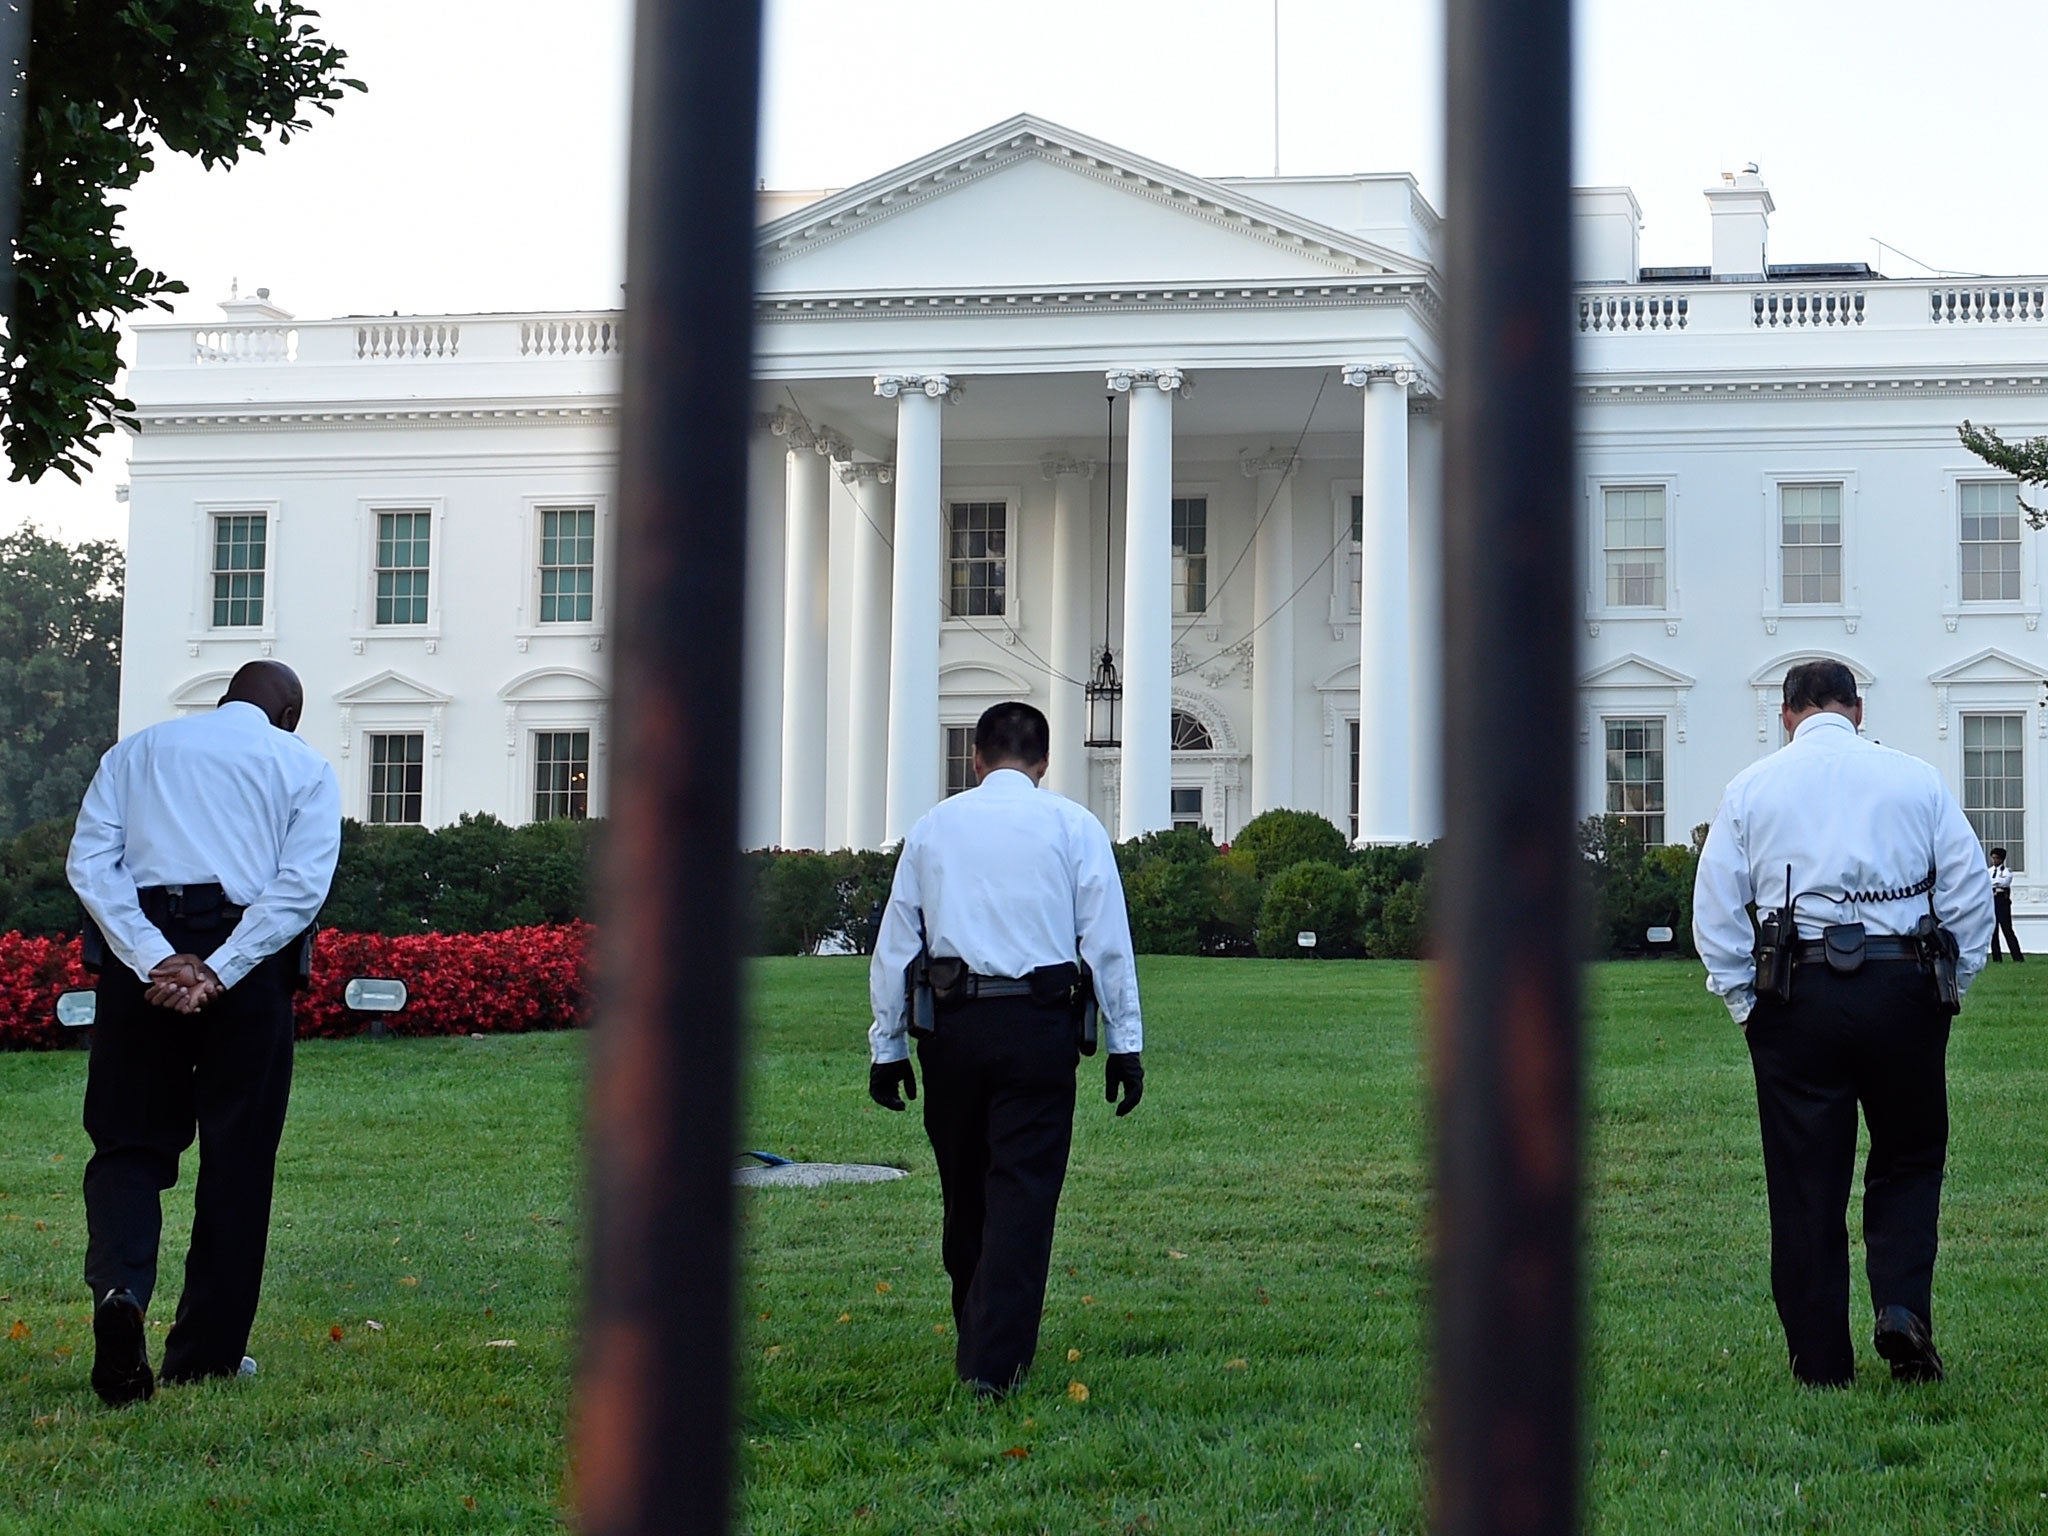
948	976
1843	944
1052	986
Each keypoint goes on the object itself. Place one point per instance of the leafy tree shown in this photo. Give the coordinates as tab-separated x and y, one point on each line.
2026	462
1277	840
35	896
60	672
111	82
1315	896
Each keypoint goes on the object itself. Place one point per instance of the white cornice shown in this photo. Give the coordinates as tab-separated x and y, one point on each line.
1768	384
1025	136
305	418
1417	292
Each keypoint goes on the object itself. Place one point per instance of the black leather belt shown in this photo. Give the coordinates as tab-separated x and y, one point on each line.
974	986
202	905
1882	947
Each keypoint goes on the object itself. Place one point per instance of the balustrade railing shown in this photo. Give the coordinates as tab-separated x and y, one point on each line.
1796	308
408	339
578	337
1955	305
1633	312
245	344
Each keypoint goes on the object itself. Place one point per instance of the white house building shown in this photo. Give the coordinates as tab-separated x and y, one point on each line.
1033	394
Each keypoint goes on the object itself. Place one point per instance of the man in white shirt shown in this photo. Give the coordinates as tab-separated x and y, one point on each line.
2001	906
203	851
1006	884
1873	842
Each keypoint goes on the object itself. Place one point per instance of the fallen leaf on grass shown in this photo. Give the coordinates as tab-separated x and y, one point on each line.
373	1325
845	1317
1239	1364
501	1344
42	1226
1073	1355
334	1333
1017	1453
882	1287
1078	1391
1264	1299
938	1327
1087	1301
408	1280
469	1499
771	1351
1175	1253
19	1331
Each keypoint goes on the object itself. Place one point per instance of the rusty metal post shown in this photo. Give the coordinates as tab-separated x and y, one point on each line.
1505	1402
655	1412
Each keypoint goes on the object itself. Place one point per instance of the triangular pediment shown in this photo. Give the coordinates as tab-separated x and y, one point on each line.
390	687
1991	665
1633	671
1028	205
975	679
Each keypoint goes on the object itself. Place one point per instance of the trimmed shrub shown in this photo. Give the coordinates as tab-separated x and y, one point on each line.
1392	900
1314	896
34	895
1278	840
33	970
1631	888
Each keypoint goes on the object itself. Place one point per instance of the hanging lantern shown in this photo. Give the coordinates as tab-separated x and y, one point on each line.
1105	692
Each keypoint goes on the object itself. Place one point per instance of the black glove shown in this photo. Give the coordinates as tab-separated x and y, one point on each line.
885	1077
1128	1070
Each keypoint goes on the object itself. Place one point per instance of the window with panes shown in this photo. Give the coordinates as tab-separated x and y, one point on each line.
1356	566
977	559
1634	545
1810	544
1995	783
239	540
1190	554
1186	806
1990	541
561	775
568	565
397	776
959	758
1635	774
1354	781
403	544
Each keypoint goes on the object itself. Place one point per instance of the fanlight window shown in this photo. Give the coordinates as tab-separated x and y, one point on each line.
1190	735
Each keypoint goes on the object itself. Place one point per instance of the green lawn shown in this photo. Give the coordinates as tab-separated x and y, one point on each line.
1237	1285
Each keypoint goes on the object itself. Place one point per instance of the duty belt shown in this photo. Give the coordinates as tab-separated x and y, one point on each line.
973	986
1883	947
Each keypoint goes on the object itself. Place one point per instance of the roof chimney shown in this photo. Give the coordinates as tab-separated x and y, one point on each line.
1741	207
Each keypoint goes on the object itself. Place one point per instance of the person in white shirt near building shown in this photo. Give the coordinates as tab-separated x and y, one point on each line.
998	893
1873	913
204	849
2001	906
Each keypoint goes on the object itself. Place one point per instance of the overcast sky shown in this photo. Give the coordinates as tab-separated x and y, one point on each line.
484	169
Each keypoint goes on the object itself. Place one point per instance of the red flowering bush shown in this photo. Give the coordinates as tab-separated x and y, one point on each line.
457	984
32	972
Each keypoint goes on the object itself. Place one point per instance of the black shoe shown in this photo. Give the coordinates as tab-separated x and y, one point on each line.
120	1362
1905	1342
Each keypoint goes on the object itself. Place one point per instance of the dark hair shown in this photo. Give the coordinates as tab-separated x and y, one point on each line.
1998	853
1815	684
1012	732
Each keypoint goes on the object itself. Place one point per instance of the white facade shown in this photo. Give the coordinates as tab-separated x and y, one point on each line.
1769	465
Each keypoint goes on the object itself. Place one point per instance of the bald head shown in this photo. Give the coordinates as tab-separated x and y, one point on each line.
273	688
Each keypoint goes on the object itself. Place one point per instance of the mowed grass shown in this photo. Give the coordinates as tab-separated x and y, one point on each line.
1238	1285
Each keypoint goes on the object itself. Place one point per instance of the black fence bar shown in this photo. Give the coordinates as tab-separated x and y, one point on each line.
15	18
1504	1400
654	1421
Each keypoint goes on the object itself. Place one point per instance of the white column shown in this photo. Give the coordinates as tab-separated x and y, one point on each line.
867	756
1146	801
914	765
1072	530
1273	680
761	707
1385	661
1426	591
804	644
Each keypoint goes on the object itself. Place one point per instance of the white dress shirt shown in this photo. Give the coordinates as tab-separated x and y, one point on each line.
225	797
1851	818
2001	879
1007	877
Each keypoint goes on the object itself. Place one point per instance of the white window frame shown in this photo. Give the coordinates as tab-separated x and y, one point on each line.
553	698
946	756
364	626
1598	610
535	724
1953	608
1012	616
1849	611
1607	717
429	751
1344	618
528	626
2027	714
1208	495
199	618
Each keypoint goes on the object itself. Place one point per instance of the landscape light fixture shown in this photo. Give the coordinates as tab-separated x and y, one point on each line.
1104	690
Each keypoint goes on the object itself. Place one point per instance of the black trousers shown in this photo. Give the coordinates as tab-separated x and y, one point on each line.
2001	912
156	1079
1876	1038
999	1109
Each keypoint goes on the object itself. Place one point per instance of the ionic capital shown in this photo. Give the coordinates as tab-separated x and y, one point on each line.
1399	372
938	386
1054	465
855	474
782	421
1124	380
831	445
1272	462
